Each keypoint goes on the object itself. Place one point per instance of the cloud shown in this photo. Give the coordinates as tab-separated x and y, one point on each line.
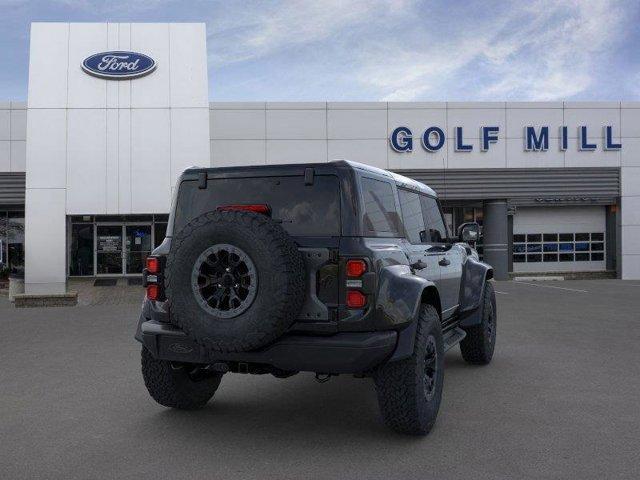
244	34
400	50
409	50
546	51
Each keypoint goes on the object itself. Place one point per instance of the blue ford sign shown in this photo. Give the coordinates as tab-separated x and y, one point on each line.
118	65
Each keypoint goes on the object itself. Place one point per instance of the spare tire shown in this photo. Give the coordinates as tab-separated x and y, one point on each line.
234	280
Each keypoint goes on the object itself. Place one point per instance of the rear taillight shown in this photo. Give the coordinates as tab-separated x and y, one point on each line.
153	265
355	269
153	292
258	208
152	278
356	299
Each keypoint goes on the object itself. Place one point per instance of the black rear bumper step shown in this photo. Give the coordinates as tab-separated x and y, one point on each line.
356	352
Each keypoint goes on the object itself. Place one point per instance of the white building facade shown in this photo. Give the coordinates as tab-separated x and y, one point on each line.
556	184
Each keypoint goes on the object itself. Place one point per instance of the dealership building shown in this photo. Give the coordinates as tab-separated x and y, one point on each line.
116	111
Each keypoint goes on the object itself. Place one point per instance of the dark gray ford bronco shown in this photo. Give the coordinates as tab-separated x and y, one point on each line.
332	268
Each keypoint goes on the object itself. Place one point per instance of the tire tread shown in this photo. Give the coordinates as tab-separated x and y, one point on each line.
167	388
475	347
399	384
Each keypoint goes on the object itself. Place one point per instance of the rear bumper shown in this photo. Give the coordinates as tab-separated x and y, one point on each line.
339	353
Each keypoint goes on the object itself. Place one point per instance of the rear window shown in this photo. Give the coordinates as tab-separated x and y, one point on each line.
380	215
304	210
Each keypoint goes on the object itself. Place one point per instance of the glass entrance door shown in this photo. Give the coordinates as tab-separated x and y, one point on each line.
138	246
109	250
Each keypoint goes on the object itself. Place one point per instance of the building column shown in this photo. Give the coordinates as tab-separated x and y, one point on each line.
629	266
45	241
495	237
610	238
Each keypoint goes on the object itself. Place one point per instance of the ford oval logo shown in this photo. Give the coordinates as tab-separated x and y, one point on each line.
118	65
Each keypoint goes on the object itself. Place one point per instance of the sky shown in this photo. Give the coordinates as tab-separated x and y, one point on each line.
377	50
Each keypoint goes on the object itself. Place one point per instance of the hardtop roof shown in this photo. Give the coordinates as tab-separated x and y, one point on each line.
322	168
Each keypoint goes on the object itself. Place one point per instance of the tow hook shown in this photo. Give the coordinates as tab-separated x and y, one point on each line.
322	377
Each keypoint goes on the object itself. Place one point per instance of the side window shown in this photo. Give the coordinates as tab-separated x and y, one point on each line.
380	214
436	231
412	216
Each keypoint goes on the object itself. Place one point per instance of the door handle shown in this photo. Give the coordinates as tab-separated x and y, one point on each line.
444	262
419	265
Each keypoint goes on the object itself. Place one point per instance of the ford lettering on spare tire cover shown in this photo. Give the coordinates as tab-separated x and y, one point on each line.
118	65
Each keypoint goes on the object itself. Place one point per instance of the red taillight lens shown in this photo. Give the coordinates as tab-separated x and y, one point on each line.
356	268
153	292
153	265
355	299
258	208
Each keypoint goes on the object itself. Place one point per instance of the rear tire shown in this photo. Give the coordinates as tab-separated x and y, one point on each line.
410	390
478	346
178	385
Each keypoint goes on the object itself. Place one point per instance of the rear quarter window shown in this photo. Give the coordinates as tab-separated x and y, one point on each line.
380	214
412	216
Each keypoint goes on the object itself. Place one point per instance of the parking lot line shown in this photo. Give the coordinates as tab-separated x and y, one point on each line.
551	286
502	293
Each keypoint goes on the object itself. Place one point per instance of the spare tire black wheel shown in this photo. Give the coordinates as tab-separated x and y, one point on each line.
235	280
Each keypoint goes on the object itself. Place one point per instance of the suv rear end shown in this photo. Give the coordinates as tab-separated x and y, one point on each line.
337	329
328	268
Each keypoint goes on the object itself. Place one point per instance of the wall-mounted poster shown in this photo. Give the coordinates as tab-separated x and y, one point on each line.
109	243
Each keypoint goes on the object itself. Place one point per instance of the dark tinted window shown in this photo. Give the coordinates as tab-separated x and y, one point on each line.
380	215
436	231
304	210
412	215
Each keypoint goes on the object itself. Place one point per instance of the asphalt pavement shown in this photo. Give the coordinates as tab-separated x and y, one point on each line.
560	400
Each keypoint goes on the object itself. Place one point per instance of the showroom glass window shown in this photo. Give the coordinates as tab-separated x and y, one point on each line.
113	244
559	247
159	229
12	236
81	254
4	268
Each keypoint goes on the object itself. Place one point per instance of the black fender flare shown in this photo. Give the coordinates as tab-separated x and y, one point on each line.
400	295
474	278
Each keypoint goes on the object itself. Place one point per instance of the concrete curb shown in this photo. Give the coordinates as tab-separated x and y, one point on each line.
68	299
